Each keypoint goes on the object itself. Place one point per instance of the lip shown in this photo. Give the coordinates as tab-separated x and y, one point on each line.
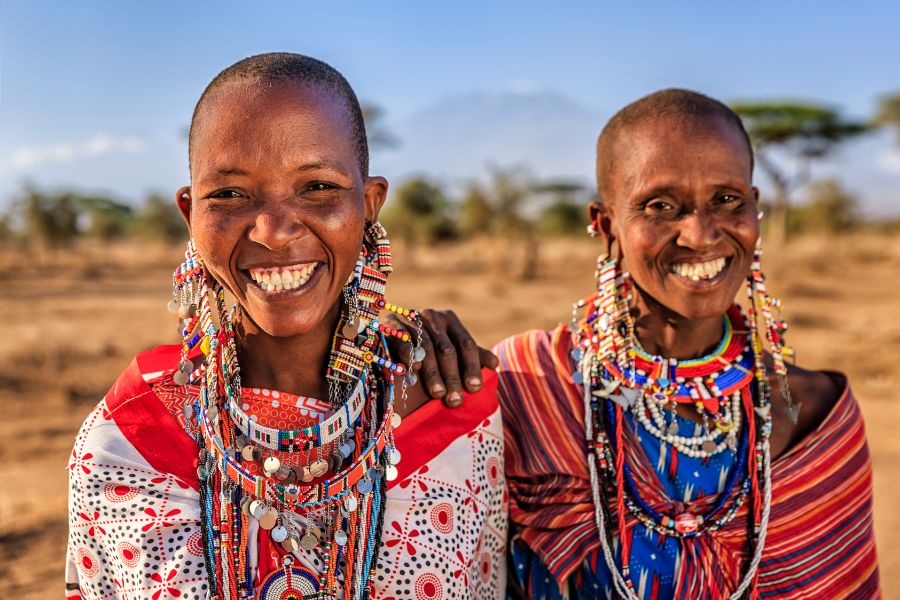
278	295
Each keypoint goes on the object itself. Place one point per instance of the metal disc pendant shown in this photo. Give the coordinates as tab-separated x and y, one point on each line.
577	377
290	544
268	519
340	537
418	354
180	378
284	474
411	378
255	507
396	420
309	542
349	330
393	455
318	468
279	533
306	475
351	503
673	428
271	465
390	472
250	453
364	486
374	474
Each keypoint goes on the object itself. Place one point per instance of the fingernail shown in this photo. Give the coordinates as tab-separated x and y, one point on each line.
455	399
437	390
474	382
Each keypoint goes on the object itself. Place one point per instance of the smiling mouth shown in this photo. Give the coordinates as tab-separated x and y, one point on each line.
277	279
700	271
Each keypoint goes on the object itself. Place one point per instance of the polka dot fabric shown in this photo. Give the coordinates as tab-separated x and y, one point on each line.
134	508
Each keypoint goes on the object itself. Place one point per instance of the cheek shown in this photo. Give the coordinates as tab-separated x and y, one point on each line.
216	236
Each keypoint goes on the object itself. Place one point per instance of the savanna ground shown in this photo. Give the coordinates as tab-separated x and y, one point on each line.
73	320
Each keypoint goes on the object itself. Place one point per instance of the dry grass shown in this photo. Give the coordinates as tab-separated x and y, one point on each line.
74	319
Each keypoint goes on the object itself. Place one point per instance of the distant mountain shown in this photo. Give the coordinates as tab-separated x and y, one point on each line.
458	136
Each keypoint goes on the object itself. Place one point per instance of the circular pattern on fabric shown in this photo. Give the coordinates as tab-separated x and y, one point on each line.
129	554
428	587
484	567
87	563
494	471
195	544
295	583
442	517
119	492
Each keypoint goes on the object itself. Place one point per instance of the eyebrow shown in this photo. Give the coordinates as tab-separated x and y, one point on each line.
313	165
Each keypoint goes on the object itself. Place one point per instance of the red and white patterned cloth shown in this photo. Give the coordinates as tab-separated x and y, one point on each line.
134	509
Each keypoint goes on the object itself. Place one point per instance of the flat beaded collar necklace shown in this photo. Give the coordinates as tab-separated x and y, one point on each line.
321	491
617	375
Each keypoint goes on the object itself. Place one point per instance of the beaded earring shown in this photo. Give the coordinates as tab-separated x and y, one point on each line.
612	300
357	335
190	301
762	304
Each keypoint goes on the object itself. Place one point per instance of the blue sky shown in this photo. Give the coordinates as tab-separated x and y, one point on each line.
96	94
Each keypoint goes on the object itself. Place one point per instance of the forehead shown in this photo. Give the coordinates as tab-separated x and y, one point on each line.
271	124
676	150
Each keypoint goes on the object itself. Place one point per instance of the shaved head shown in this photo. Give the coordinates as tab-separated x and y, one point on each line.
684	105
268	70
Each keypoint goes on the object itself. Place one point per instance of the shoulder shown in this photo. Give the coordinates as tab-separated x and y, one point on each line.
815	392
535	351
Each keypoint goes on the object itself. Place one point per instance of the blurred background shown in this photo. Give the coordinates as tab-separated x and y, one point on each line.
484	117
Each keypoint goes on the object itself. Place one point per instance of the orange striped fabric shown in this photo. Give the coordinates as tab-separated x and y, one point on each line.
820	540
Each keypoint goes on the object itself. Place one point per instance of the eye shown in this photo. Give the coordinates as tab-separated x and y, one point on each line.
658	206
226	194
729	200
320	186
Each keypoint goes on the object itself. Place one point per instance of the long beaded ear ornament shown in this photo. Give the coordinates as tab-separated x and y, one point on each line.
190	301
763	304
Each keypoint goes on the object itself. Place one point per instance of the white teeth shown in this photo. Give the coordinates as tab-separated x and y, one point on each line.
698	271
285	279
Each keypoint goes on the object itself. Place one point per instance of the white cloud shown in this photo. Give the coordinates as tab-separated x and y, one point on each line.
889	161
98	145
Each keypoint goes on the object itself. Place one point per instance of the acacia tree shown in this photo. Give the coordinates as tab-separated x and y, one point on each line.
888	112
802	132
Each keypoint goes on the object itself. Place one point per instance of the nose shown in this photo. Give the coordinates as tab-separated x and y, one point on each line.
698	230
275	227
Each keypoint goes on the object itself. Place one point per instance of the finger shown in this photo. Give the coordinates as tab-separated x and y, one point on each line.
428	369
448	362
399	348
467	350
488	359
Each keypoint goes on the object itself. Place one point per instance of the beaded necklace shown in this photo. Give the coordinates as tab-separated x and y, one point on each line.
616	375
321	499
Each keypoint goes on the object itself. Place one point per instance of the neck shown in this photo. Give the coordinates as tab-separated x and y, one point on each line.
661	332
296	364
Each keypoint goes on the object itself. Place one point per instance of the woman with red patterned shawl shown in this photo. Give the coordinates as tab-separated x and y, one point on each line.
281	212
652	450
783	509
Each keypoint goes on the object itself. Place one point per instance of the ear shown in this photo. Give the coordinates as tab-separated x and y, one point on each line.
183	201
374	194
601	222
755	191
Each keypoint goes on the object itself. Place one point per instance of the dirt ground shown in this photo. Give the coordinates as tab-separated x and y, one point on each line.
74	319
